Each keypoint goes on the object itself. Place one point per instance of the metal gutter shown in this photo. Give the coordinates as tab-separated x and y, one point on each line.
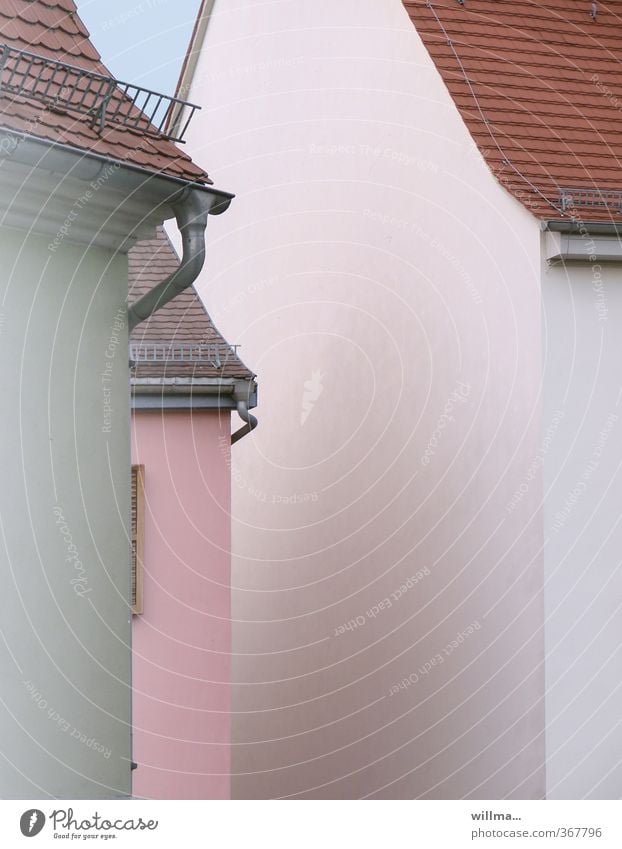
190	202
604	228
183	393
85	165
245	388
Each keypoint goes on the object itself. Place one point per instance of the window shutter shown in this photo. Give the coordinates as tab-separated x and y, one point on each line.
137	537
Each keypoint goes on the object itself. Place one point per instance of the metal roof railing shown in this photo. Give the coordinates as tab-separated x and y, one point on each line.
104	99
591	199
191	353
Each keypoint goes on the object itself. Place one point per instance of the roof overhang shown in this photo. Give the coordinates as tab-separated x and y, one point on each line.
580	241
86	198
190	393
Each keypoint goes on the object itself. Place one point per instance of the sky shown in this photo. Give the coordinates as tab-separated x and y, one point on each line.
141	41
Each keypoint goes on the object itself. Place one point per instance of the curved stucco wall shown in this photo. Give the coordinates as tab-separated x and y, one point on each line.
387	588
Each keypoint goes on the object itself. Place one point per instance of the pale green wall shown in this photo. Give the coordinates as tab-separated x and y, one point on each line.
64	648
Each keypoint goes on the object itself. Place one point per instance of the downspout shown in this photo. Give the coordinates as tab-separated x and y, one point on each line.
191	215
191	204
251	422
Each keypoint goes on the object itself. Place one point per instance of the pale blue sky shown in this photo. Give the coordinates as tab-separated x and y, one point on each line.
141	41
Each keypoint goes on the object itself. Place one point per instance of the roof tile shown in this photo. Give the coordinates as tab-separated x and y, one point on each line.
52	28
182	320
544	90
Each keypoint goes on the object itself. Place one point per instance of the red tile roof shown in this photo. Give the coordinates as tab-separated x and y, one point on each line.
52	28
539	86
183	320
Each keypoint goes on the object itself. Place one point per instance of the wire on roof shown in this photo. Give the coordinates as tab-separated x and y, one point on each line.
486	122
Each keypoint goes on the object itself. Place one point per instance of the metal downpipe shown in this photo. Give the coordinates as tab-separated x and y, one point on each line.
191	216
251	422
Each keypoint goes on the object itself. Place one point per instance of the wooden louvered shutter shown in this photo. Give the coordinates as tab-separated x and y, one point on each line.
137	537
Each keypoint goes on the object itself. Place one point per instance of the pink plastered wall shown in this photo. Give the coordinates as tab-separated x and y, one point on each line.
182	640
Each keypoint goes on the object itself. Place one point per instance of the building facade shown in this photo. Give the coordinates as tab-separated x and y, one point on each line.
186	383
84	174
426	527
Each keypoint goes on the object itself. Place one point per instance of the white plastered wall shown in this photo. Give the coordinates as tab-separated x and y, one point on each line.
582	309
387	291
